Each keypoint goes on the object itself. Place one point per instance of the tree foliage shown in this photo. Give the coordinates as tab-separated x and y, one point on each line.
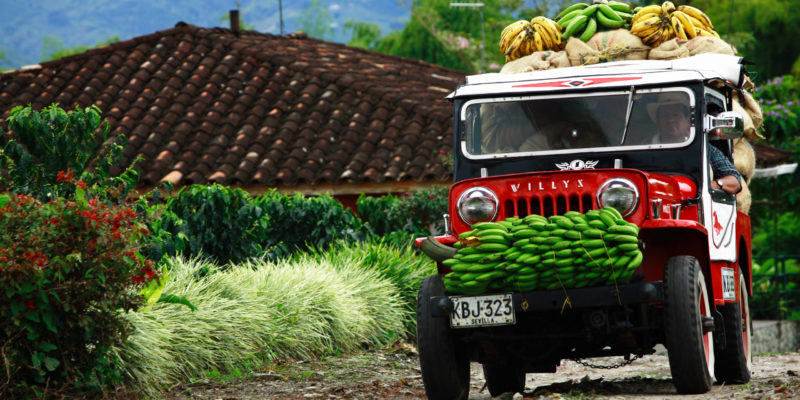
449	36
315	21
53	47
764	31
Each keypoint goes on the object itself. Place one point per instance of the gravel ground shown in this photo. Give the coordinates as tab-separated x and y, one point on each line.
394	374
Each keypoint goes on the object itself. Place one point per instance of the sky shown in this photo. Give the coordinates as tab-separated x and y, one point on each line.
25	25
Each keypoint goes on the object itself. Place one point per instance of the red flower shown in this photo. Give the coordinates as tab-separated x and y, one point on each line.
29	305
81	184
65	176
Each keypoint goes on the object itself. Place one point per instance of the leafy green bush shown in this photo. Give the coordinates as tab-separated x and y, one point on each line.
780	103
52	150
254	314
231	226
297	222
68	269
417	213
216	221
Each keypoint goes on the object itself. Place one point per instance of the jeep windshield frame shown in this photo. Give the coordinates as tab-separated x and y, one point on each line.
573	123
683	158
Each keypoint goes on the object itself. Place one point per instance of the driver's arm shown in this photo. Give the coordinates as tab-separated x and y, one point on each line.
724	171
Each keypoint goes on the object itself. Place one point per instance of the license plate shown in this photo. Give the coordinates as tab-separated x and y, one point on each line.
489	310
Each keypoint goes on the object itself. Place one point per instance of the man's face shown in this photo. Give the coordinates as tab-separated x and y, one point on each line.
673	123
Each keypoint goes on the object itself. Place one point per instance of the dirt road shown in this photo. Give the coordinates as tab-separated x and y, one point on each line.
395	375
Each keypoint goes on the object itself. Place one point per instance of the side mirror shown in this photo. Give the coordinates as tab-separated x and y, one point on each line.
726	125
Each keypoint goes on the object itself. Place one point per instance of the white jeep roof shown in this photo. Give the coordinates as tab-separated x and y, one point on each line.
619	74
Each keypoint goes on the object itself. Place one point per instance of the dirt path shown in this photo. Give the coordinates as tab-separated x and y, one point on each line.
395	375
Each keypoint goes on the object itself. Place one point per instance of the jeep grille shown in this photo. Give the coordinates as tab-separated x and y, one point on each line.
547	205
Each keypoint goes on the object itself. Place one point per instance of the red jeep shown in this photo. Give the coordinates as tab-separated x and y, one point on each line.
577	139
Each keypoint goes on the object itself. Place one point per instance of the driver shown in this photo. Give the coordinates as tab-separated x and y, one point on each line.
674	122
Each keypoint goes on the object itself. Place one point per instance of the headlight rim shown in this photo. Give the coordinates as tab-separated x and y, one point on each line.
464	195
627	183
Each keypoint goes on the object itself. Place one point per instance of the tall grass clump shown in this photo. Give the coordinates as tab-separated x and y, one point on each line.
401	265
254	313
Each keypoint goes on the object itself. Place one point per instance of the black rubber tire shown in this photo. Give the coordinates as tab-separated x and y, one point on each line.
734	362
690	350
503	378
444	366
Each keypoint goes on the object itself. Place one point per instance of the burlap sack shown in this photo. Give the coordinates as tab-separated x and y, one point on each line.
618	45
754	109
669	50
580	53
744	158
708	44
750	132
744	199
537	61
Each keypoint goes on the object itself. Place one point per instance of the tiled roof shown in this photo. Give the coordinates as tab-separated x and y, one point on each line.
245	108
768	156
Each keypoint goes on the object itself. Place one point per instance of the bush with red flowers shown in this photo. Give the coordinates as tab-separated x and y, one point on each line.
68	271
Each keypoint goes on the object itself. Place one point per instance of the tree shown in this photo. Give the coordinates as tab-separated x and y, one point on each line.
316	21
363	34
764	31
53	47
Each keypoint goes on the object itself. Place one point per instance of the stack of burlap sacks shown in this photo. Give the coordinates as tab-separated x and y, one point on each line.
620	44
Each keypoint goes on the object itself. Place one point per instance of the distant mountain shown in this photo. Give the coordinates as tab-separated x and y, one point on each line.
87	22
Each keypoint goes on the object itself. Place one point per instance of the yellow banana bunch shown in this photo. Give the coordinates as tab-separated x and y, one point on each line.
550	33
652	24
522	38
700	22
517	40
656	24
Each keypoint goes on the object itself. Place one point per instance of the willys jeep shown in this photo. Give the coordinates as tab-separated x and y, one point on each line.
576	141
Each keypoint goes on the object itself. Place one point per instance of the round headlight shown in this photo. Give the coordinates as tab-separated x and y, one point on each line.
477	204
619	193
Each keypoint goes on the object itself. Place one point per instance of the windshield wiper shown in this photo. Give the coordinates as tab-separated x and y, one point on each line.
628	114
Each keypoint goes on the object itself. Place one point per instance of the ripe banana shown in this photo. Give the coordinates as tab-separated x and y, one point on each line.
696	13
678	27
686	22
542	38
551	31
667	7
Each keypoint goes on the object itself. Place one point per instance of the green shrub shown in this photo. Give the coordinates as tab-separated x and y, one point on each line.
254	314
297	222
216	221
54	153
417	213
68	269
231	226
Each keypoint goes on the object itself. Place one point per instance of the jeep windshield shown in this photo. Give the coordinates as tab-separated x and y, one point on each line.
610	121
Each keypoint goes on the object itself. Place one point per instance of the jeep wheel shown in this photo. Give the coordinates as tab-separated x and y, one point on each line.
689	325
734	362
444	366
503	378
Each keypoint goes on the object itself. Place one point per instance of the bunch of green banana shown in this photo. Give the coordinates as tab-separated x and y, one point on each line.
522	38
656	24
583	20
536	253
478	264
